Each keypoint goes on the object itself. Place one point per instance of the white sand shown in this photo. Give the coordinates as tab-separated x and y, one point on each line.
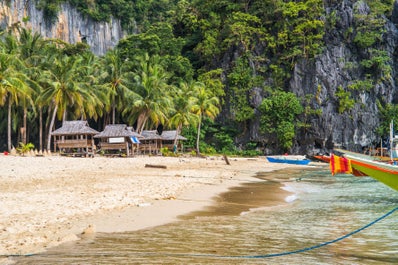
45	201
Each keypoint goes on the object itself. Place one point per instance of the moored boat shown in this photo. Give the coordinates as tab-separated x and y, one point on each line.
296	160
358	164
323	158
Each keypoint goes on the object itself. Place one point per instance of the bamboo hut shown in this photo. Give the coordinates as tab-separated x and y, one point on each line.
74	137
168	138
117	137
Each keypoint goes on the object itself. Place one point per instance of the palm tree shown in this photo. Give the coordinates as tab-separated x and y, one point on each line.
12	87
94	94
115	79
65	89
183	109
30	47
206	105
151	100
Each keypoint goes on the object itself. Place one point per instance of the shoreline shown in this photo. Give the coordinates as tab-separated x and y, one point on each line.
47	201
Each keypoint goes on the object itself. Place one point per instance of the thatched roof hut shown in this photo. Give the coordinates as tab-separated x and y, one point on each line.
168	138
117	137
117	130
171	135
74	137
74	128
151	135
151	141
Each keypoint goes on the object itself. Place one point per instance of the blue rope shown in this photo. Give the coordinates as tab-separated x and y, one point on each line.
254	256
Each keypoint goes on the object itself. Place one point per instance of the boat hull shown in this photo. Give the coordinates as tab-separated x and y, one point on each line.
288	160
322	158
387	174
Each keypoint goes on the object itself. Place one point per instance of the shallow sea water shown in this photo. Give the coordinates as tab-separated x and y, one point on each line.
243	229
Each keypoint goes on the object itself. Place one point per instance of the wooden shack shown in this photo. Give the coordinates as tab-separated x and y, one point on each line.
74	137
151	142
168	138
117	137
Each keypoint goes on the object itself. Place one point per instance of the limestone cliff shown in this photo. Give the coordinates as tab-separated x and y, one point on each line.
70	26
340	66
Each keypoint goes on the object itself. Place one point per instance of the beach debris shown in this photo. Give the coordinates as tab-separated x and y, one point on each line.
155	166
226	160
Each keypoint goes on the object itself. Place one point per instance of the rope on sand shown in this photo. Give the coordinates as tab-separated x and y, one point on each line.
157	254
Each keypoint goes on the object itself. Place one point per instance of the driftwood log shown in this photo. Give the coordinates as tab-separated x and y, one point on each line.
226	160
155	166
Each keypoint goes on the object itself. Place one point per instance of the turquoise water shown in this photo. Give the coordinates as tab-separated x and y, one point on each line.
320	208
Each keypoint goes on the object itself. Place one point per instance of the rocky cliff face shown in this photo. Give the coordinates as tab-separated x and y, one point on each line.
71	26
340	66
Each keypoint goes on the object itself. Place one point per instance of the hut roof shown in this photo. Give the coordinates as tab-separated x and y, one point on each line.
74	128
117	130
151	135
171	135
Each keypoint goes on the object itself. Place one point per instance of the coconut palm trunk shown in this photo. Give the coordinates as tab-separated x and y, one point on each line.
178	130
51	127
41	128
9	126
24	131
198	135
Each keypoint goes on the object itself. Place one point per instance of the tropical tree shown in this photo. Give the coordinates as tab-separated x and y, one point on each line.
183	114
12	87
115	80
206	105
95	94
65	90
151	100
279	116
30	51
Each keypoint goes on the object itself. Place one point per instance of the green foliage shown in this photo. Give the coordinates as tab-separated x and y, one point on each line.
304	28
279	114
166	152
212	80
225	143
249	150
24	148
160	41
245	30
309	111
361	85
50	9
378	64
387	113
369	29
344	100
241	83
381	7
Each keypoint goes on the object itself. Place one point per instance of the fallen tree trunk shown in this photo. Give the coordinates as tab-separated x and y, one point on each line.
155	166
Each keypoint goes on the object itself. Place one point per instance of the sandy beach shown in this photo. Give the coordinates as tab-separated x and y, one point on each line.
46	201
